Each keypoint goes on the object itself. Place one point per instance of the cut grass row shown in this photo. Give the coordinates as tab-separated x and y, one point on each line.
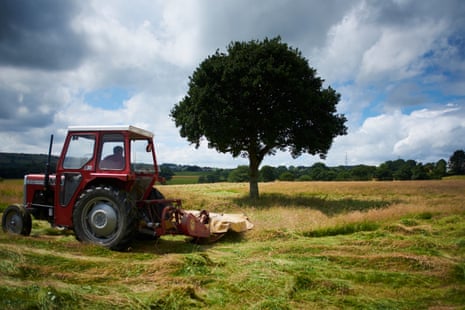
371	245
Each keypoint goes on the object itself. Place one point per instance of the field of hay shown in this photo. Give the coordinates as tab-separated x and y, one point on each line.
332	245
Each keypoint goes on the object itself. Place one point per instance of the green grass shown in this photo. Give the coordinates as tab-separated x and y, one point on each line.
376	246
183	179
345	229
186	177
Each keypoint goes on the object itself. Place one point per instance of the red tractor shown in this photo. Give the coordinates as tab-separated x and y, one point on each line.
103	189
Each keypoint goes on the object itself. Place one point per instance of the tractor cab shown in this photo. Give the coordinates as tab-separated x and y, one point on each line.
122	157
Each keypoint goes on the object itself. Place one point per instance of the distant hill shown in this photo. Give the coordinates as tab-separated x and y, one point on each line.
16	165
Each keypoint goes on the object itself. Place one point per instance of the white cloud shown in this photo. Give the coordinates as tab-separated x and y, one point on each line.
397	54
423	135
430	132
340	58
119	53
180	32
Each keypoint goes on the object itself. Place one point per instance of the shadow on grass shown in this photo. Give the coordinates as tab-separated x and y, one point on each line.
181	244
327	206
165	245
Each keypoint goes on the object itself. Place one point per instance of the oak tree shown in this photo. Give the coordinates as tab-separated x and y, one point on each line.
257	98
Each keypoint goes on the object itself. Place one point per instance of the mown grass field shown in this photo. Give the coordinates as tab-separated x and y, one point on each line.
315	245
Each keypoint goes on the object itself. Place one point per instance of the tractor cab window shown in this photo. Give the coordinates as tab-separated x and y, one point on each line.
80	151
112	152
141	157
142	166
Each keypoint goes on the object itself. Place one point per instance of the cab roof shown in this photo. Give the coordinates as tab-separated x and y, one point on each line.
129	128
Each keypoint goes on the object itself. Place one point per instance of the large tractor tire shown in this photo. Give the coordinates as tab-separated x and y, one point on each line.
17	220
104	216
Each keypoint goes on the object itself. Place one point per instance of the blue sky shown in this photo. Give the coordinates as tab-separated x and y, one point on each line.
111	98
399	66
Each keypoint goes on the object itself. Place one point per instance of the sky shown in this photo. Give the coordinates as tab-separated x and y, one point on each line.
399	66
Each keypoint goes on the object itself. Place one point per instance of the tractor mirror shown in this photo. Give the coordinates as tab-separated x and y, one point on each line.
149	147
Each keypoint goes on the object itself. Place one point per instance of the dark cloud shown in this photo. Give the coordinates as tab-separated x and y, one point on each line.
38	34
303	24
402	13
8	102
23	111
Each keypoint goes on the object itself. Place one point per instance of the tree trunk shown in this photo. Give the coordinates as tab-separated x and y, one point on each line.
254	163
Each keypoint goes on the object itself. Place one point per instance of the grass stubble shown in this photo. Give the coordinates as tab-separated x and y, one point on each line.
369	245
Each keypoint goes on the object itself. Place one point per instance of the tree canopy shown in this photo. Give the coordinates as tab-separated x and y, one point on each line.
256	99
457	162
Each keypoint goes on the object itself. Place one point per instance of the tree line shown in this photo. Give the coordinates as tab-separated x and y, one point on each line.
14	166
391	170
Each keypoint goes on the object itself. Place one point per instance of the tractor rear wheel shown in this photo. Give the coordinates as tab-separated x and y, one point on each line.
17	220
104	216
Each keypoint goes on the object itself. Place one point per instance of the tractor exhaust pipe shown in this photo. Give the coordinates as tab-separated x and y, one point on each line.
47	166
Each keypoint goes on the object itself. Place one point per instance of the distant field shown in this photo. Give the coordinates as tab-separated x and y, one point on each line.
186	178
315	245
455	177
11	191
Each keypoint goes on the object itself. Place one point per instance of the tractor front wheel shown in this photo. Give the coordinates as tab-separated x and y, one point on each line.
104	216
17	220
